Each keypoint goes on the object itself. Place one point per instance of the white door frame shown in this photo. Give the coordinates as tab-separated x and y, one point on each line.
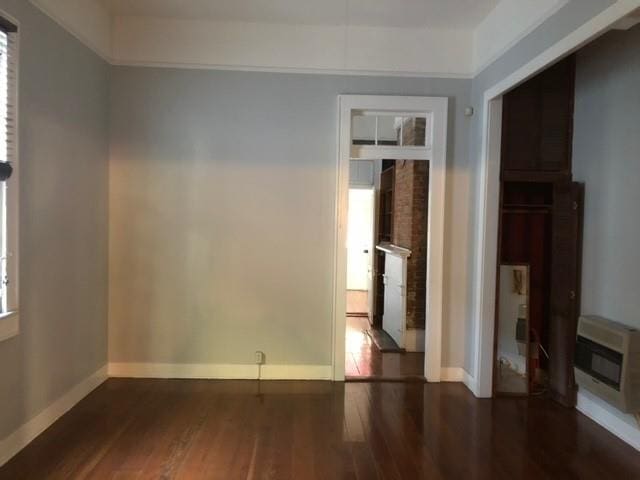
487	233
437	155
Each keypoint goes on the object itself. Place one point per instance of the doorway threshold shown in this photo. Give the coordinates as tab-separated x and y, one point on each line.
383	341
383	378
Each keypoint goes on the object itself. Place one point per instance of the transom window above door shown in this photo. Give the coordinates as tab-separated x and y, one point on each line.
390	134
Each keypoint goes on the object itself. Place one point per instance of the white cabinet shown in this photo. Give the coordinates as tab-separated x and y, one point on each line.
395	299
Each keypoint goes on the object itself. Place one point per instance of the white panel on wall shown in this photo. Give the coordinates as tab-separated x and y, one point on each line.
395	308
361	173
360	225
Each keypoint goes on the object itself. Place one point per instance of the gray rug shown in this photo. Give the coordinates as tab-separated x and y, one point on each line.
383	341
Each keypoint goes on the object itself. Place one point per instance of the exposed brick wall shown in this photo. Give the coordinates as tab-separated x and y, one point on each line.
410	231
403	203
413	131
417	288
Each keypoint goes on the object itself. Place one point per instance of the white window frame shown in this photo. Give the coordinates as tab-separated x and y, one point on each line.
9	319
436	153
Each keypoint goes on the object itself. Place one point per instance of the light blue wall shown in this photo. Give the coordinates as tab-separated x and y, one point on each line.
606	156
63	131
222	211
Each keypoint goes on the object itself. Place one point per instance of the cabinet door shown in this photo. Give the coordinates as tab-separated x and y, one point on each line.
538	122
566	261
556	117
521	127
395	306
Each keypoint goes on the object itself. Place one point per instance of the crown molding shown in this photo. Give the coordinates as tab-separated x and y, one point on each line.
304	71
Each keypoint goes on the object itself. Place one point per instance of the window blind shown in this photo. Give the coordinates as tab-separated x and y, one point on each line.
8	100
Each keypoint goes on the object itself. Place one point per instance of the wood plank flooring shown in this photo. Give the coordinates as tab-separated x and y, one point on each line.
197	429
364	361
357	302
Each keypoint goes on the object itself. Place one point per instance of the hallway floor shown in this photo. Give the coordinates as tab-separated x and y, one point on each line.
357	302
365	361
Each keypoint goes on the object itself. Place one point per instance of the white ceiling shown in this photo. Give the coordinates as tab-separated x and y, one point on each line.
433	38
454	14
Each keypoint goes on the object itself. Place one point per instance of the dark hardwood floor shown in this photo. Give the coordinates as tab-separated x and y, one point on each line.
191	429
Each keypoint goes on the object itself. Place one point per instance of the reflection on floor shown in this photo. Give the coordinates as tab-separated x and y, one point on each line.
230	430
357	302
509	380
365	361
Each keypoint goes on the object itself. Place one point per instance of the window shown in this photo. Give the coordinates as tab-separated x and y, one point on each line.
8	176
389	134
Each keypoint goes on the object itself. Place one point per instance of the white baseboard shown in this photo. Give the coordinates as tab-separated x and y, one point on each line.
458	374
25	434
451	374
414	340
296	372
220	371
470	382
621	425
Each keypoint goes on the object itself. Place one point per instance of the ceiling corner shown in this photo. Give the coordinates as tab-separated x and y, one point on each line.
89	21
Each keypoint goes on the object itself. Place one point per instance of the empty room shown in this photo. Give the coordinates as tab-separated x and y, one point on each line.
302	239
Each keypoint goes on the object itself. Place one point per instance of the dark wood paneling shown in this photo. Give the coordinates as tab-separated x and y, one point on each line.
565	289
538	122
537	134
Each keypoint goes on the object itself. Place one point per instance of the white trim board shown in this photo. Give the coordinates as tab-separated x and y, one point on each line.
20	438
298	70
486	234
606	417
9	325
451	374
438	108
220	371
458	375
470	382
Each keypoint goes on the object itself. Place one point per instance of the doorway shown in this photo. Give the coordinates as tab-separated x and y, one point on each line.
360	245
386	266
377	115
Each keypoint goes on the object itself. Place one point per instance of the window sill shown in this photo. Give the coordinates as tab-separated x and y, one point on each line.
9	325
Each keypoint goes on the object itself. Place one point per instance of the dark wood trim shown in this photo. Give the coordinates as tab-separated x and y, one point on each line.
565	290
532	177
384	143
496	306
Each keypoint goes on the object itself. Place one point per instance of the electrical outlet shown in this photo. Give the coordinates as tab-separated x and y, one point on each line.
259	357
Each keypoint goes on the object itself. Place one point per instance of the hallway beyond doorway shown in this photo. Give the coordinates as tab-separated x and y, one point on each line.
357	303
364	361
